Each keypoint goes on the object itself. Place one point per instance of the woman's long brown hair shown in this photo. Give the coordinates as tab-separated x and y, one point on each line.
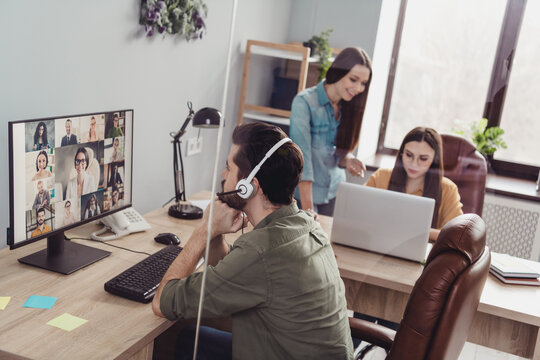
433	177
352	112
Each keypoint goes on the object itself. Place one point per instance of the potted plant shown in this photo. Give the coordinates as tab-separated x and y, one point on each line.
184	18
487	140
320	46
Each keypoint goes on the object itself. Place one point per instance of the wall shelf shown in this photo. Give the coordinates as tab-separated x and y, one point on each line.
293	51
266	118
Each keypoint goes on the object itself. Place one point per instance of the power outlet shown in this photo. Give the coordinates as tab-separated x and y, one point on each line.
194	146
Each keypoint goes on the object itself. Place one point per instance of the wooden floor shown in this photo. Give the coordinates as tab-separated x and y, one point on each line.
470	352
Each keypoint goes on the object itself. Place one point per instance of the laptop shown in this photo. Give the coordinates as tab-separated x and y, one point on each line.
383	221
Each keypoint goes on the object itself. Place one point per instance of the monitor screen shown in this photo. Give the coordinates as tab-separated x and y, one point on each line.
66	171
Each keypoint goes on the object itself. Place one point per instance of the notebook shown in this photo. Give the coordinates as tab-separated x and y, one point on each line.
383	221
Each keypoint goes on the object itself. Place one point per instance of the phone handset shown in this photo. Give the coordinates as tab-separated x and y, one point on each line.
121	223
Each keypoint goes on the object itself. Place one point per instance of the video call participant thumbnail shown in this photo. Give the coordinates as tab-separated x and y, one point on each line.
42	198
115	179
116	153
40	137
42	162
69	138
92	207
83	182
273	312
41	227
69	218
116	202
92	133
115	130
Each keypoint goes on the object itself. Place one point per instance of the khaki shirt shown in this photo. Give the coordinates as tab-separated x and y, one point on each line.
281	284
450	206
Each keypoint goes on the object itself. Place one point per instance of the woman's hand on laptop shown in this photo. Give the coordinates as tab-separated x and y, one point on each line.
354	166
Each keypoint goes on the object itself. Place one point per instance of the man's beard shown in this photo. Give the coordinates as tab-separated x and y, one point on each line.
40	222
232	200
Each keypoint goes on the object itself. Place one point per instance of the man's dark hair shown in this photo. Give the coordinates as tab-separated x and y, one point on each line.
40	210
280	174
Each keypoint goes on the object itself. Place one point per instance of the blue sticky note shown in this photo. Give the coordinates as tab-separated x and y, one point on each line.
40	302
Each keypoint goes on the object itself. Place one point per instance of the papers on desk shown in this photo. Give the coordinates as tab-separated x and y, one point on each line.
40	302
4	300
512	270
67	322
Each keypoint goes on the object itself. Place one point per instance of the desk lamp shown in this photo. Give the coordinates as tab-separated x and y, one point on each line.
204	118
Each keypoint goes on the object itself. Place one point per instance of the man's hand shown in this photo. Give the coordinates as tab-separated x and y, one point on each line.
225	220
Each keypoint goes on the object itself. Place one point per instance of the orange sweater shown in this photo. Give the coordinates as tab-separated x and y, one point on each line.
450	200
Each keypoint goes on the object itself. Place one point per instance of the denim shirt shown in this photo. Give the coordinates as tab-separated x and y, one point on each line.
314	128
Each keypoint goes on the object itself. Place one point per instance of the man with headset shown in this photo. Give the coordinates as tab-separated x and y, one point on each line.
280	281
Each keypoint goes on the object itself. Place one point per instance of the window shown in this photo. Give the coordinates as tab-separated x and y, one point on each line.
521	113
451	68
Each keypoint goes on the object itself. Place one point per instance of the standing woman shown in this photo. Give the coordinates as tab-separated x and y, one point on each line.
40	137
325	123
419	171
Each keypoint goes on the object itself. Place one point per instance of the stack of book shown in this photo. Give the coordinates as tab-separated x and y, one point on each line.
512	270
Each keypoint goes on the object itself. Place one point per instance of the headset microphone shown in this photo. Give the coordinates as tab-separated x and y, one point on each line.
244	187
227	193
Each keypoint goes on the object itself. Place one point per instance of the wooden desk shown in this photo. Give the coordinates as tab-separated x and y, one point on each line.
117	328
508	316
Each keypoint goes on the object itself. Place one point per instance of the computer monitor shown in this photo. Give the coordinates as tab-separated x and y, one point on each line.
65	171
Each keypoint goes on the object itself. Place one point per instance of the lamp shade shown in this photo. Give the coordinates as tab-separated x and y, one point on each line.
207	118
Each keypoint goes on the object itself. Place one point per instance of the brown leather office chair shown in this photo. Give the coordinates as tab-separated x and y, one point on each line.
466	167
444	299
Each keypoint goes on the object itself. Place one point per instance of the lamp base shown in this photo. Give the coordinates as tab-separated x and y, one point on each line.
185	211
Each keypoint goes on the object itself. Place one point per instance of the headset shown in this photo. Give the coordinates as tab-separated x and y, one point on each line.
244	187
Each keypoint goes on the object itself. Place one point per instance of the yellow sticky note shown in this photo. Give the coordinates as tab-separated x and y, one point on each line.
4	300
67	322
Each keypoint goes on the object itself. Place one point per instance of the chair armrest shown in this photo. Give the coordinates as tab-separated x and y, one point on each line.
372	333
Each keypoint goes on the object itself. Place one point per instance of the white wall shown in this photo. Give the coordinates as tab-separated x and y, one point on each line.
68	57
354	22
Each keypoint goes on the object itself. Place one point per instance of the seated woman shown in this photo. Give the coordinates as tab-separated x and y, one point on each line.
419	171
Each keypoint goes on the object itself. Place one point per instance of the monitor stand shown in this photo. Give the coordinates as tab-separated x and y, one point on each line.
64	256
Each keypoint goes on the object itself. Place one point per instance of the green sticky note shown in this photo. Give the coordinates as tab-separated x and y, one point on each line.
4	300
67	322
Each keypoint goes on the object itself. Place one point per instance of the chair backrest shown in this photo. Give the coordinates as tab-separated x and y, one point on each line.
466	167
444	299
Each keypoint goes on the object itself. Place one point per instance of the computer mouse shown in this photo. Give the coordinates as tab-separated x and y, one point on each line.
167	239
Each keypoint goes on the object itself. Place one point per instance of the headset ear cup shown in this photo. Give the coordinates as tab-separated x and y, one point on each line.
245	189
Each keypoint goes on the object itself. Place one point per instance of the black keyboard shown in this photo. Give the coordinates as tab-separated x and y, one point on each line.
140	282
